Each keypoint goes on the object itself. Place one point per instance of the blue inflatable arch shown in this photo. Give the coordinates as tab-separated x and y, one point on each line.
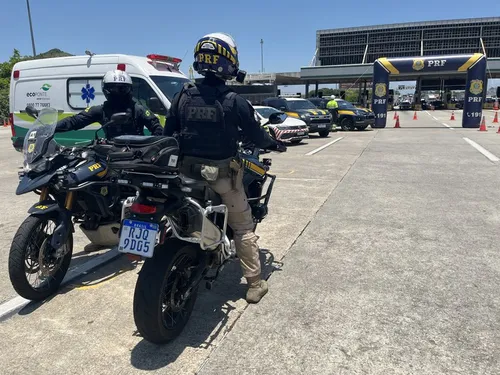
474	65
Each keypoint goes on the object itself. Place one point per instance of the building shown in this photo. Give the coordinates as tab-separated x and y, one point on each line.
363	45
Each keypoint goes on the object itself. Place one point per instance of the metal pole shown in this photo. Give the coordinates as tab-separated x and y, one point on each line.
262	55
31	28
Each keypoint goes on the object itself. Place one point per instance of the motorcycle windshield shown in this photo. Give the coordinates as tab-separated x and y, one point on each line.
39	136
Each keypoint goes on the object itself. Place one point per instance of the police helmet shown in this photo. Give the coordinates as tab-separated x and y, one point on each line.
217	53
332	97
116	84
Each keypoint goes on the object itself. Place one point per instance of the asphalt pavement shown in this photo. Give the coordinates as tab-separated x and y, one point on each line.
382	255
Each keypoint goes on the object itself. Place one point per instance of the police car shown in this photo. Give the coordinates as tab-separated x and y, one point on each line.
291	130
317	120
351	117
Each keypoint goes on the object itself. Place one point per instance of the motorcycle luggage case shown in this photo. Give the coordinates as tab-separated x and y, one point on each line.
155	154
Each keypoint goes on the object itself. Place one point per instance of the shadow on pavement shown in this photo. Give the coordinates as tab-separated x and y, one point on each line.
208	320
100	275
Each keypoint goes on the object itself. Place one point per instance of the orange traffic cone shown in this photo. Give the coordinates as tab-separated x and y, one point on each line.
498	131
397	122
495	106
495	120
415	115
395	115
452	118
482	128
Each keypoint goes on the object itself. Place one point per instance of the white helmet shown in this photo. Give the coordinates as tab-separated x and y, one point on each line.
332	97
116	84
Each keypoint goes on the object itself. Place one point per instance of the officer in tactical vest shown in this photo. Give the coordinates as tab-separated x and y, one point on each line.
117	88
206	118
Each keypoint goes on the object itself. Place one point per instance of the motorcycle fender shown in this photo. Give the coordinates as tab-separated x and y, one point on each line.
44	208
62	217
28	184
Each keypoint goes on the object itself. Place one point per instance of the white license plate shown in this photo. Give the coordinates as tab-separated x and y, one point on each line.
138	237
300	133
322	126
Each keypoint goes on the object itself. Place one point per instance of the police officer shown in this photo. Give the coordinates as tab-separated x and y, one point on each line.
206	118
333	107
117	88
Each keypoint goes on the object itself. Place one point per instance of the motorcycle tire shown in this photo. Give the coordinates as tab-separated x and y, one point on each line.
157	283
18	261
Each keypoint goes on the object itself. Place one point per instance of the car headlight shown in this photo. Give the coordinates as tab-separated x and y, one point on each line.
304	117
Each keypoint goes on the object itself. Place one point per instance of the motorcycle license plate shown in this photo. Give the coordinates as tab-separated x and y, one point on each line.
322	126
138	237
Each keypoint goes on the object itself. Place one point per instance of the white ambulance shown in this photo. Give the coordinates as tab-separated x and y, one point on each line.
71	84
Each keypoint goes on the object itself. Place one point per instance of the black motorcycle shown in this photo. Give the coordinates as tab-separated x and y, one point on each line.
179	226
42	248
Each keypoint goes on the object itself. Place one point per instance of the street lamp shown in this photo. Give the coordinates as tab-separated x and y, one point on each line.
262	55
31	28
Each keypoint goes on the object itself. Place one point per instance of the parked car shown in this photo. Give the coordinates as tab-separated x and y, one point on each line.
405	105
351	117
438	104
291	130
317	120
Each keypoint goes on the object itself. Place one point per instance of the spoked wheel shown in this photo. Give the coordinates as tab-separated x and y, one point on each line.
36	270
161	306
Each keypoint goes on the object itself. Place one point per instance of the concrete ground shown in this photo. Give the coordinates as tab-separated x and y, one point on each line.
383	253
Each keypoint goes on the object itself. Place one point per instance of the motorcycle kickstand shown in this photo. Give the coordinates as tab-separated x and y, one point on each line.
211	279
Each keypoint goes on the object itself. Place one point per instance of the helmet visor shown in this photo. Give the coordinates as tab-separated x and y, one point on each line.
118	89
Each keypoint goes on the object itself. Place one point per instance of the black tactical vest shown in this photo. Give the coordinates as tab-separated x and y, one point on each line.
114	130
204	131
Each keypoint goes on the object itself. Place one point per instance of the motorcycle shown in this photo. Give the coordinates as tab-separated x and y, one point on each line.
179	226
72	188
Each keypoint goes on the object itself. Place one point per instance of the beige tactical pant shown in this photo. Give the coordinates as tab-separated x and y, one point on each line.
241	221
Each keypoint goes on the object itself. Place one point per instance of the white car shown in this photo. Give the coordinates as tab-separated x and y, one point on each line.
291	130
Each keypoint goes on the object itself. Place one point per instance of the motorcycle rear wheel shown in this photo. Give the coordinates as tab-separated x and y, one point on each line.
160	312
24	259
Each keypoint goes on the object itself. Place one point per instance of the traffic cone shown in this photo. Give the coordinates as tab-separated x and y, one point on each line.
495	120
397	123
498	131
415	115
482	128
395	115
495	106
452	118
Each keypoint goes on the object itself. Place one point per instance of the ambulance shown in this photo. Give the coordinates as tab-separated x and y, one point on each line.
71	84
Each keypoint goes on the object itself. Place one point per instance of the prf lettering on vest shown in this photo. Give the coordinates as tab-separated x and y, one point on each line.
208	114
379	101
475	99
208	59
436	63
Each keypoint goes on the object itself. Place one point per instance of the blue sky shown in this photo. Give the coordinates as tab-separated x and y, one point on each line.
173	27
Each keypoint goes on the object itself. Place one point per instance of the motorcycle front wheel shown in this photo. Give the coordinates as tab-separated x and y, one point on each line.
160	308
32	257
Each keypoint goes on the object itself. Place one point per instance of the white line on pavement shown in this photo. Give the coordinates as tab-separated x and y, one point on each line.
448	126
323	147
12	306
482	150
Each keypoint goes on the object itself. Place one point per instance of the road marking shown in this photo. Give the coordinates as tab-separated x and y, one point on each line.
448	126
482	150
14	305
323	147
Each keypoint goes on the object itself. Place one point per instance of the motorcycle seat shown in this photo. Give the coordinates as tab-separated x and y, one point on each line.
186	181
137	140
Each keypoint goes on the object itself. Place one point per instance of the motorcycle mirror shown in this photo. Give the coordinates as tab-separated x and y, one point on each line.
277	118
155	105
119	118
32	111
